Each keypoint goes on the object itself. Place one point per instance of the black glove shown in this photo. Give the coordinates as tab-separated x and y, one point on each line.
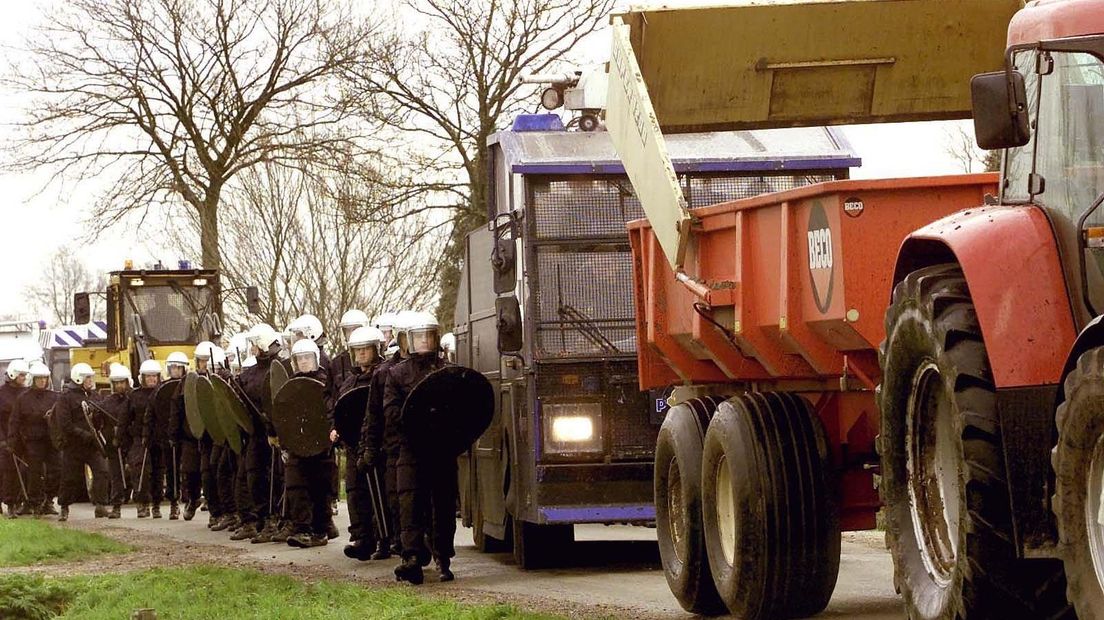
365	462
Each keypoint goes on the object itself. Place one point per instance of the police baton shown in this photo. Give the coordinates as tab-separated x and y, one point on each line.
19	474
175	473
142	471
122	467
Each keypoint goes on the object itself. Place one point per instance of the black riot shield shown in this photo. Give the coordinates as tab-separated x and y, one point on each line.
277	377
229	404
199	399
349	414
299	415
164	399
448	410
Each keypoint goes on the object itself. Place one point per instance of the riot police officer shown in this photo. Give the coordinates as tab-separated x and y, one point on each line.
263	467
365	345
309	478
342	365
29	439
427	482
79	446
133	434
15	384
106	417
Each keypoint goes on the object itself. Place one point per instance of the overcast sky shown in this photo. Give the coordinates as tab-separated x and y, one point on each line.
36	224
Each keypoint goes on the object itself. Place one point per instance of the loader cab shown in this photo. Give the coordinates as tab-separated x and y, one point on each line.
1046	111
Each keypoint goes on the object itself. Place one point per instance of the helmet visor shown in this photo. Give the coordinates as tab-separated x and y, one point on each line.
305	362
119	386
41	382
151	380
423	340
177	371
365	354
347	331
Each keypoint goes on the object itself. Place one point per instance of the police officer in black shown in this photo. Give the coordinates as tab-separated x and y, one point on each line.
15	384
309	478
365	344
79	447
427	482
29	439
105	417
133	438
263	467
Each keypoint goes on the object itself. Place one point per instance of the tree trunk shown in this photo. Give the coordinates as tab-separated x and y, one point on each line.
209	233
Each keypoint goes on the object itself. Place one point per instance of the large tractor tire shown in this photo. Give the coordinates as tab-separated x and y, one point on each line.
768	500
1079	495
948	513
678	503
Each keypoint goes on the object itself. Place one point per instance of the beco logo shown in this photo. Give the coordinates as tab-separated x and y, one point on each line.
821	261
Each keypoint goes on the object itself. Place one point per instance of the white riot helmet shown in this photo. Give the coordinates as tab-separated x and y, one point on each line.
448	344
218	357
386	324
150	367
350	321
118	372
364	338
204	349
238	348
39	370
403	320
177	360
249	362
80	372
307	326
423	333
263	336
305	356
17	368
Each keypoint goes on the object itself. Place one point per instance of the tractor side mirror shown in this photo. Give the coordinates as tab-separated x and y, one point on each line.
252	300
82	308
508	320
1000	110
504	255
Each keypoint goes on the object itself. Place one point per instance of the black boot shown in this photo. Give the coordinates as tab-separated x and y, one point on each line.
382	551
359	550
174	511
11	512
410	570
101	511
443	569
48	508
156	511
189	511
116	512
246	532
331	531
143	511
64	516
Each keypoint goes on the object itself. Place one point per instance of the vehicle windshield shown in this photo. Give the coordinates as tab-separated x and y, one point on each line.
170	314
1067	145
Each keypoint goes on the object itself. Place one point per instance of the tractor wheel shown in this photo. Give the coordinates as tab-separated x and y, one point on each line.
768	501
1079	498
948	515
678	500
540	546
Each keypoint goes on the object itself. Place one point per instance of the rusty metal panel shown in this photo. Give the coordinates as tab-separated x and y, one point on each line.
823	62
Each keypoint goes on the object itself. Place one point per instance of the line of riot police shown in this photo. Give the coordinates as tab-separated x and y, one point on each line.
250	433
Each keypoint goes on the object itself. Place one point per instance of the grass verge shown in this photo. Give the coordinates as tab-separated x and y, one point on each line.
203	592
24	542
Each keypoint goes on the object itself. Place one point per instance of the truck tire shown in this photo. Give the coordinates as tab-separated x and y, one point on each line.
768	500
947	509
1079	471
540	546
484	543
678	498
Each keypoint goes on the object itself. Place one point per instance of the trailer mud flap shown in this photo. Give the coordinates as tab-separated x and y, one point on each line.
1028	434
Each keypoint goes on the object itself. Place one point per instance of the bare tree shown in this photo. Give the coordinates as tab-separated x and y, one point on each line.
174	98
452	83
964	150
291	238
64	276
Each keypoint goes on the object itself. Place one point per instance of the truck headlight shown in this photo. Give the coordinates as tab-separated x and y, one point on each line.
572	428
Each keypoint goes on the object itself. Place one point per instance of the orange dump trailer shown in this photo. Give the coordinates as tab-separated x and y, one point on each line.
789	293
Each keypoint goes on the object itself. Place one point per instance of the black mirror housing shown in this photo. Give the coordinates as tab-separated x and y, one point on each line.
504	265
1000	110
508	320
252	300
82	308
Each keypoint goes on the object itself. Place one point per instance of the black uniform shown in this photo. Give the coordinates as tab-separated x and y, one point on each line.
356	489
130	435
379	445
161	437
309	481
79	448
106	419
10	491
427	483
29	438
258	454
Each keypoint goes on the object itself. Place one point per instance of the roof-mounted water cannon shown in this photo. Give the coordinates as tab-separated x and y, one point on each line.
582	91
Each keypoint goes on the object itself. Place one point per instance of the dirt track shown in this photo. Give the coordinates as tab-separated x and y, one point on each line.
614	571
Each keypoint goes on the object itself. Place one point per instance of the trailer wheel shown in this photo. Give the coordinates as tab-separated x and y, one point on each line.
1079	469
678	505
948	516
540	546
768	500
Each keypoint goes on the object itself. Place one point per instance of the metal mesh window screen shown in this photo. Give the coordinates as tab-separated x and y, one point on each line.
584	301
702	190
580	208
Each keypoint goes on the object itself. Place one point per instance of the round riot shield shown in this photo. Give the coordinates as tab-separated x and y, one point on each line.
277	377
349	414
199	397
449	409
299	415
164	399
229	404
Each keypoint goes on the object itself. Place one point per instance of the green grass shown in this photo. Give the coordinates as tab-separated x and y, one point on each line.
203	592
24	542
